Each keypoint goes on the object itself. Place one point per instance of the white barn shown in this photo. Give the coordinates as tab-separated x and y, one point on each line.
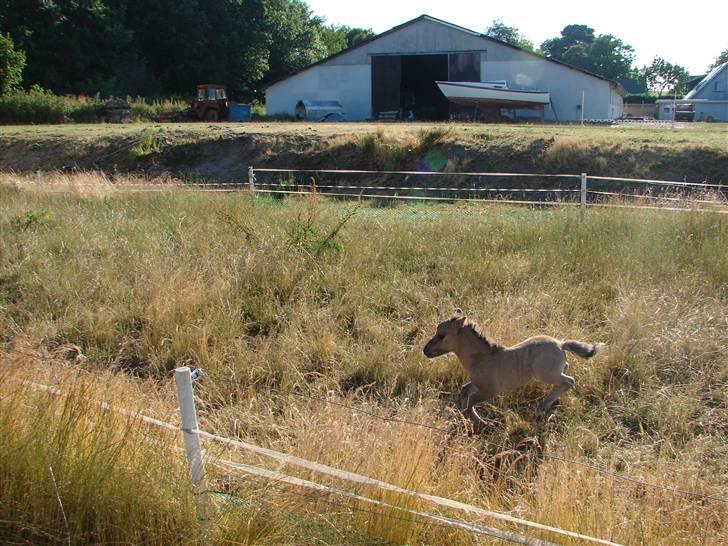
396	70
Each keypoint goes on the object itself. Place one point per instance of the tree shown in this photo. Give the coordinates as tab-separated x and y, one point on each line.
571	35
71	46
295	36
338	38
500	31
722	58
164	47
355	36
604	54
12	63
334	39
662	76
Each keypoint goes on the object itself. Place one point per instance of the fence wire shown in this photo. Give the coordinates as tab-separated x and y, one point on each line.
396	188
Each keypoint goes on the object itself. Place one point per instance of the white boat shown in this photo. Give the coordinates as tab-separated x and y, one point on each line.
495	93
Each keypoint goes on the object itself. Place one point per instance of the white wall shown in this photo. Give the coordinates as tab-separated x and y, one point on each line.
565	85
348	84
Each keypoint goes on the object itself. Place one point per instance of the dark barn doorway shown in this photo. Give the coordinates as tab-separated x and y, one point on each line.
406	83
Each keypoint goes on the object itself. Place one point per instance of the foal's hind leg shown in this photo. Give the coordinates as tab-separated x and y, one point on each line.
565	382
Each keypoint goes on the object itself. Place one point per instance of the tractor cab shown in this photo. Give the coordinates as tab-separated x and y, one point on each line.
210	102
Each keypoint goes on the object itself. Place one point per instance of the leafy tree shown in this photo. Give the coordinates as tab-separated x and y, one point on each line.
12	63
500	31
571	35
338	38
164	47
183	42
604	54
662	76
71	46
610	57
334	39
295	38
722	58
355	36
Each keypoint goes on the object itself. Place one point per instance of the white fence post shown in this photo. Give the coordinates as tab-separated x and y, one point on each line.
251	182
583	193
190	432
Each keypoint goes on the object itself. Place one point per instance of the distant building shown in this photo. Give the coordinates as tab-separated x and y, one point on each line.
708	100
632	86
636	104
693	82
394	74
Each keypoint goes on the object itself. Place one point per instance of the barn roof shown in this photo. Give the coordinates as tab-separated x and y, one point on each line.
706	81
425	17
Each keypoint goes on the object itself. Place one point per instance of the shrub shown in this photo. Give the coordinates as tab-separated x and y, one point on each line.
41	106
143	110
34	106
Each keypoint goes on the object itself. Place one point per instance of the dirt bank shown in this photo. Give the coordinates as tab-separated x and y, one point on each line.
223	152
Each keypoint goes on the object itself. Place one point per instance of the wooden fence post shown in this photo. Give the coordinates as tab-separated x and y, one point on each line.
251	182
583	193
190	432
37	181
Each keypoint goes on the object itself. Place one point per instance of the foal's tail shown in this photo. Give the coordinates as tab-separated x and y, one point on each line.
584	350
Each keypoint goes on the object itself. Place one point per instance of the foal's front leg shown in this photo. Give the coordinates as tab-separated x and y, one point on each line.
464	393
476	396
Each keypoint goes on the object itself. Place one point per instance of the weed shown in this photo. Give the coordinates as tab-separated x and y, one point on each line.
29	220
148	145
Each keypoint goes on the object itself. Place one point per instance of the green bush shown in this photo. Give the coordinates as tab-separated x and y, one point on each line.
34	106
143	110
41	106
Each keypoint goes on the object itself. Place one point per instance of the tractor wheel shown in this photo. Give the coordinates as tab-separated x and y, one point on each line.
211	115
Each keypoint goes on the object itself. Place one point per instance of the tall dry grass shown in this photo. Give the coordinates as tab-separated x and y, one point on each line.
285	310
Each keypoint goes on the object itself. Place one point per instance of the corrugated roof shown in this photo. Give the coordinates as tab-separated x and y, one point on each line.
425	17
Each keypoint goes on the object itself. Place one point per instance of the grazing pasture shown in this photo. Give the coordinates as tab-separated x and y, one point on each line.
309	318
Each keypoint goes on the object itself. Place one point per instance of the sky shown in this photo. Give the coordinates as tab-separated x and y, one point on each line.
691	35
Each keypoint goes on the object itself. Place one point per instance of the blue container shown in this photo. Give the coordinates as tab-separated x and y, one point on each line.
239	112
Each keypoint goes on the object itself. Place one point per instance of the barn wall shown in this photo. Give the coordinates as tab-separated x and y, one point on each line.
565	85
351	85
712	111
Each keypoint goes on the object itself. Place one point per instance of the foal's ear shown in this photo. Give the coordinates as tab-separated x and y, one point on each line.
458	316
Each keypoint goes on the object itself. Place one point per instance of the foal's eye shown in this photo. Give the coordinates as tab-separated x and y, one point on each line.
440	336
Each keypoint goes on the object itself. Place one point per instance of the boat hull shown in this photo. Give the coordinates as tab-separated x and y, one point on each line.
480	93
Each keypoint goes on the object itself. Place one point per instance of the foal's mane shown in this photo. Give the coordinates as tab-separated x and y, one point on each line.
479	334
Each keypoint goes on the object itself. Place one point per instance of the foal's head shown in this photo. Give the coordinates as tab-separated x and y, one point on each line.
445	339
